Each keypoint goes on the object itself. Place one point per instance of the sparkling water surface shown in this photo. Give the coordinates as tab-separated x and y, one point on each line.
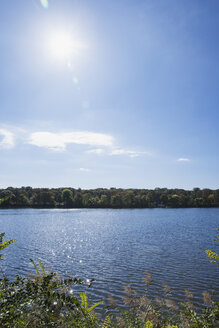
116	248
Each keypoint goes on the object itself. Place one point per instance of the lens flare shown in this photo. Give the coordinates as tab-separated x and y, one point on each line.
75	80
44	3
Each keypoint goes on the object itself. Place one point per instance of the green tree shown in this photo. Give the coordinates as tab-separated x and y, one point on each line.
103	201
78	199
116	201
67	198
127	199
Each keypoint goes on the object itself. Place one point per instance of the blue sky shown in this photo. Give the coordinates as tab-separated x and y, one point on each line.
120	93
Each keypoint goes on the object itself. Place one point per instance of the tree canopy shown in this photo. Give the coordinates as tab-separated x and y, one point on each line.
108	198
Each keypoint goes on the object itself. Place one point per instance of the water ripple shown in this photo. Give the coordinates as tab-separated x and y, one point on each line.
116	247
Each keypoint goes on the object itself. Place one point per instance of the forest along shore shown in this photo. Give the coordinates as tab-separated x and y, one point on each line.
28	197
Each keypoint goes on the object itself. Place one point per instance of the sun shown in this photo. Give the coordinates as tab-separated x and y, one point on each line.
64	45
61	45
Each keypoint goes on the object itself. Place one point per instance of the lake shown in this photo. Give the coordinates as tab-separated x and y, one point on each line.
116	247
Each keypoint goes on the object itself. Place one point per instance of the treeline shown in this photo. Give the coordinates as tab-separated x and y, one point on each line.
108	198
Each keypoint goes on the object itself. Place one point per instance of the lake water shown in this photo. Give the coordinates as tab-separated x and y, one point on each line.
116	247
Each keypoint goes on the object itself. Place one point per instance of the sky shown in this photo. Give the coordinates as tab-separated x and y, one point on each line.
119	93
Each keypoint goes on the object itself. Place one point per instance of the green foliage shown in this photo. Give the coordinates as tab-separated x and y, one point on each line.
4	244
213	256
149	324
107	322
43	300
208	318
67	198
84	304
108	198
3	200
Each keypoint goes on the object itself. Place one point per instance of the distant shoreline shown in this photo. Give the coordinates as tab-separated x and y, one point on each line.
103	208
113	198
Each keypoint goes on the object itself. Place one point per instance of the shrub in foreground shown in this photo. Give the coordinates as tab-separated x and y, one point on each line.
44	300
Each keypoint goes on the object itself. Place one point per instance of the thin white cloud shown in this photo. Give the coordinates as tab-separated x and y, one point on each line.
89	138
97	143
112	151
183	159
6	139
83	169
47	140
130	153
59	141
97	151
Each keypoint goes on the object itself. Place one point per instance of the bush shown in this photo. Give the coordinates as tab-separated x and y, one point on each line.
44	300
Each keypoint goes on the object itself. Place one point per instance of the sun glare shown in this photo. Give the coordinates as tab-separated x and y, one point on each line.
63	46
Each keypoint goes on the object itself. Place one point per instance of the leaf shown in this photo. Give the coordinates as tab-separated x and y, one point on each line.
107	322
93	306
83	301
4	244
3	199
149	324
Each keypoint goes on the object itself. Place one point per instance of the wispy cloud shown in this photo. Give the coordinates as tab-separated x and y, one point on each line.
83	169
6	139
114	151
96	151
130	153
97	143
59	141
183	159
